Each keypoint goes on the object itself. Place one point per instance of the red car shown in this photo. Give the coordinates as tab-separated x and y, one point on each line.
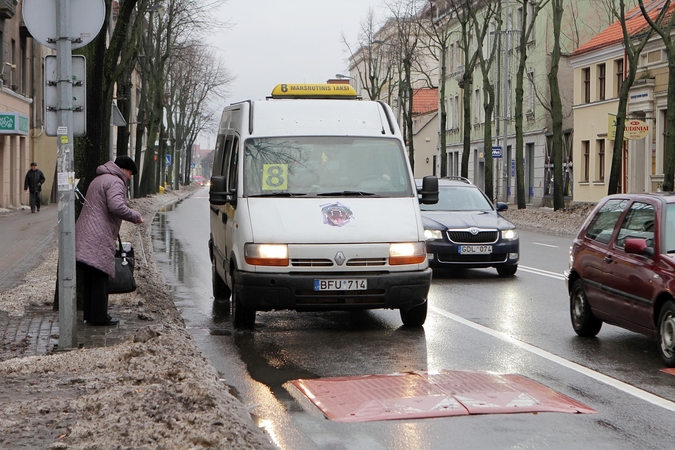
622	269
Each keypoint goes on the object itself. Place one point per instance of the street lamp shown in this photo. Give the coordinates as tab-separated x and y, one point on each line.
339	76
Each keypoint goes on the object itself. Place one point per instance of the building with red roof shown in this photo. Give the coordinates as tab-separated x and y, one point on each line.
600	67
425	130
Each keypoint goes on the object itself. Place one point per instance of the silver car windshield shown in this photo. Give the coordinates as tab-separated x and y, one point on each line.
316	166
458	198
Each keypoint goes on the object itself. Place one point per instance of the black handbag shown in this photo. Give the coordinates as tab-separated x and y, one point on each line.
124	269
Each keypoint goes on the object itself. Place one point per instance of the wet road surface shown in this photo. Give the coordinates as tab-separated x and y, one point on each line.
477	321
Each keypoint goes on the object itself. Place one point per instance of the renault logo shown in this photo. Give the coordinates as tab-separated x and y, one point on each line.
340	258
473	231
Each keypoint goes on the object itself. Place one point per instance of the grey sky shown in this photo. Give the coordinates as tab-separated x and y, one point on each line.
287	41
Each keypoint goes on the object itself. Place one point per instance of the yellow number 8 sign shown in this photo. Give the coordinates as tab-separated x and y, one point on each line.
275	177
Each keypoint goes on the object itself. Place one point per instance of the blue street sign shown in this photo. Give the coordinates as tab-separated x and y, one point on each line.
192	165
168	160
496	152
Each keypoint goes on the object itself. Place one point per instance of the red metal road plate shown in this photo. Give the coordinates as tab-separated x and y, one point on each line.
416	395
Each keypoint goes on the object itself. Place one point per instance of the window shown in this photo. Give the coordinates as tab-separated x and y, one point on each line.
600	146
508	98
233	164
618	65
585	148
529	109
601	81
602	225
586	78
639	223
654	57
532	11
478	106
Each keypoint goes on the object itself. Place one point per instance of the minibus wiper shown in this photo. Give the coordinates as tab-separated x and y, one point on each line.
345	194
278	194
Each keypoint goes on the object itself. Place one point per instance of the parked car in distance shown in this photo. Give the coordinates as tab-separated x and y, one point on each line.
465	230
622	269
198	179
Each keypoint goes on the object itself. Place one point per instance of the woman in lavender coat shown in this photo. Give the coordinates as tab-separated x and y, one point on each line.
96	231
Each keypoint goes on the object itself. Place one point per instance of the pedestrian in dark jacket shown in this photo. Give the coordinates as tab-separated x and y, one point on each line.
33	183
96	231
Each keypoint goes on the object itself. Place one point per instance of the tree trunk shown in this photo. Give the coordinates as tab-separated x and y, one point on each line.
466	99
556	109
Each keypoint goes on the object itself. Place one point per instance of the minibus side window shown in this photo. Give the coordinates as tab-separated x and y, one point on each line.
225	170
233	165
219	157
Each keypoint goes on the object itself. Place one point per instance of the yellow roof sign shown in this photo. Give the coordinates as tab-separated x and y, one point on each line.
313	91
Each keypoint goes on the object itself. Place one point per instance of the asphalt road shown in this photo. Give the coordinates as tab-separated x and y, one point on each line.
477	322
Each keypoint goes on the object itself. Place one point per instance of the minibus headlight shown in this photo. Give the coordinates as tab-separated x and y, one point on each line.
266	254
407	253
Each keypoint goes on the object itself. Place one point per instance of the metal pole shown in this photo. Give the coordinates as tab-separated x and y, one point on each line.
506	98
66	176
111	141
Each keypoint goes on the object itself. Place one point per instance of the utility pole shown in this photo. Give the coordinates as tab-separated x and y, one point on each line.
66	175
506	98
55	23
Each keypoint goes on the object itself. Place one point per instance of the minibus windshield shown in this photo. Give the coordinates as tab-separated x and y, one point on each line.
330	166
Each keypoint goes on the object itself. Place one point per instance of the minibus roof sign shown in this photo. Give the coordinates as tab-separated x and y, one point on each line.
339	91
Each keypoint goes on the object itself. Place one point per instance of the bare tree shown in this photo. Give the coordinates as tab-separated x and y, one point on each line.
196	84
104	67
169	26
556	108
435	23
489	12
526	26
633	45
472	47
664	28
371	59
407	39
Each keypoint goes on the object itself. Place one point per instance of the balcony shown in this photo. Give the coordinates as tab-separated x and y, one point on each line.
7	8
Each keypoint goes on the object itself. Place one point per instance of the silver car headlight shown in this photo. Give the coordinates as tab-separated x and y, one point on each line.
509	235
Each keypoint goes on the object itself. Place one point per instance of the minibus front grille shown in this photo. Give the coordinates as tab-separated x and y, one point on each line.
366	262
324	262
311	262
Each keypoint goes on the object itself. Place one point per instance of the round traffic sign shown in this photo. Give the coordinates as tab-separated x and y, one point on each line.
86	20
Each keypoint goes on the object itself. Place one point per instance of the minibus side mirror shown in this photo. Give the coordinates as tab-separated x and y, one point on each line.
429	192
218	193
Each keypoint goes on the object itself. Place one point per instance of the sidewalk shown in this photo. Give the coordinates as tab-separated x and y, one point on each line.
25	240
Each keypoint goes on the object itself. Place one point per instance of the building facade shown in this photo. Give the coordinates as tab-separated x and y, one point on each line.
600	68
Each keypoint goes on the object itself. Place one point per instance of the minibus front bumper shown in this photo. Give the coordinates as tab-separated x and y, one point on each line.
391	290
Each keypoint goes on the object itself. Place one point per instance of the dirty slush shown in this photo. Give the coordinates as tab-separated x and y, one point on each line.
154	389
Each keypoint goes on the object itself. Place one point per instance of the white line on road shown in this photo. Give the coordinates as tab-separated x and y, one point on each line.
544	245
613	382
544	273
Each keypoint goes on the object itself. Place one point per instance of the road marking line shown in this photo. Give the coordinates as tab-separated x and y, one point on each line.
545	245
545	273
613	382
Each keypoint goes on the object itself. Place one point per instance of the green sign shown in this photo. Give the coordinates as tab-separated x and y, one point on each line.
13	123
